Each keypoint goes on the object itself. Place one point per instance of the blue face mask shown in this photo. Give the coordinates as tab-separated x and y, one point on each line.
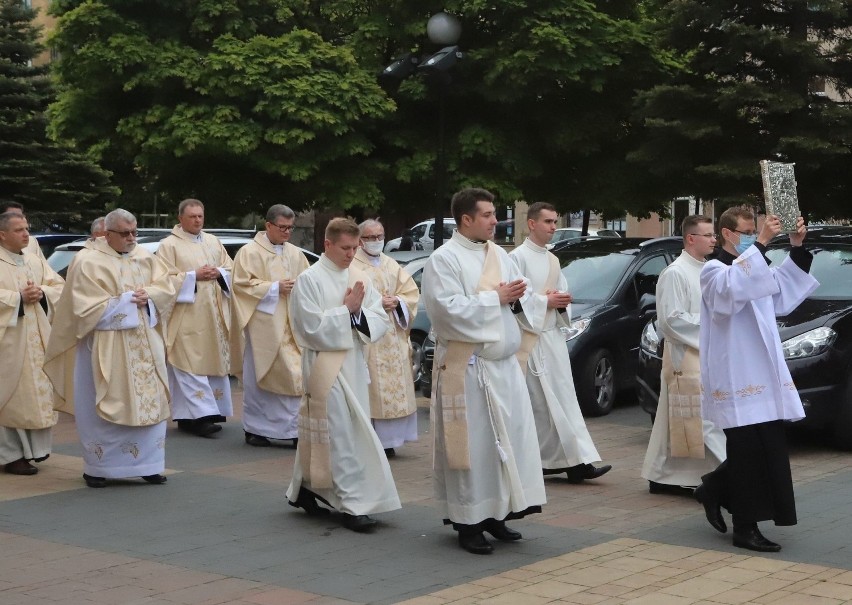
745	243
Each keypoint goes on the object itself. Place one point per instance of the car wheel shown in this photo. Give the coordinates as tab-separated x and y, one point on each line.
842	428
596	384
417	339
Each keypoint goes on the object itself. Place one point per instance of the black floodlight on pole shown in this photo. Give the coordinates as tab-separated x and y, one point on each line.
400	69
443	29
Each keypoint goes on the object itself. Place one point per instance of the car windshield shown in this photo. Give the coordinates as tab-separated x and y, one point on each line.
593	278
60	259
832	268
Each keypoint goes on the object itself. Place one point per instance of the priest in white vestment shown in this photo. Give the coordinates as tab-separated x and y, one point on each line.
747	390
339	460
197	336
29	289
264	352
564	441
393	406
107	359
487	467
683	446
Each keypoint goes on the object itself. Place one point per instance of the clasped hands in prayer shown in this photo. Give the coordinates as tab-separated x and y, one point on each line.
512	291
285	286
558	300
354	297
31	293
140	297
206	273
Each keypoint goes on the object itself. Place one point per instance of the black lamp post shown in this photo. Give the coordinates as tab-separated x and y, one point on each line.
443	29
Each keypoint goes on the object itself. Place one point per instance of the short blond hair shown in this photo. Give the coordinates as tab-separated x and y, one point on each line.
341	226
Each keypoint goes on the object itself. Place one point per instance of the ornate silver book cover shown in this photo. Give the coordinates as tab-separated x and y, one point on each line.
779	192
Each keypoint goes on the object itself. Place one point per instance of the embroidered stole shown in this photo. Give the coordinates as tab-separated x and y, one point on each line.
530	339
451	375
314	439
686	430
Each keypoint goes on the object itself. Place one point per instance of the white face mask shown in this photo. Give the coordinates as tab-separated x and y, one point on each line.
374	248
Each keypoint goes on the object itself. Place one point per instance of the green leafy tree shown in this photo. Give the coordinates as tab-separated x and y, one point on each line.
230	100
250	101
751	89
41	174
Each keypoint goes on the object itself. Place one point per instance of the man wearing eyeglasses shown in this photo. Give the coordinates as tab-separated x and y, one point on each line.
683	446
107	357
393	407
263	350
747	390
197	341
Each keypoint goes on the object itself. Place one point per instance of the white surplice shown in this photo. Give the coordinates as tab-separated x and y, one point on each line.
362	483
494	384
563	438
744	377
678	314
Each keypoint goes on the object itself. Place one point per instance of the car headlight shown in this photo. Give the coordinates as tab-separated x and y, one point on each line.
813	342
650	340
577	327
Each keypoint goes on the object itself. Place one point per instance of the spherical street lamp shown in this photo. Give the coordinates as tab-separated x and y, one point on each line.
443	29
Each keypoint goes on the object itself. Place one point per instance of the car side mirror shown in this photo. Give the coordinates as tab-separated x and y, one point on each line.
647	305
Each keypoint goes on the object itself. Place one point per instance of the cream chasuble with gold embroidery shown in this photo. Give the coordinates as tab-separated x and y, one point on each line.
197	339
264	316
26	394
127	348
389	359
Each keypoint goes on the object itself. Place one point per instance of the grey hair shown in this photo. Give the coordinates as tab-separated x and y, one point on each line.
187	203
98	225
370	222
112	219
8	216
279	210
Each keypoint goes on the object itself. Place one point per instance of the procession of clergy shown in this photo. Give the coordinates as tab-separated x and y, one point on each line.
324	358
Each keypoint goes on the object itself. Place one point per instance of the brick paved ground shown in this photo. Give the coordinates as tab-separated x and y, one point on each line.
220	532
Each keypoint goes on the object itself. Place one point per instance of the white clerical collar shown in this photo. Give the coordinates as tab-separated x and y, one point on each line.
691	259
534	247
329	264
466	242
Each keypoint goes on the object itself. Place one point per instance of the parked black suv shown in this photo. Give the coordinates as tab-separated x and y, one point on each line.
816	337
613	281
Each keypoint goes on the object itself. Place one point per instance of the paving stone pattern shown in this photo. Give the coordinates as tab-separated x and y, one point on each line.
221	532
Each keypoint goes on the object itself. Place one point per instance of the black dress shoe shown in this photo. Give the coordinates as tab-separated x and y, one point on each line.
665	488
581	472
202	427
308	502
390	452
359	523
475	543
499	530
712	510
257	440
21	466
751	538
155	479
94	481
